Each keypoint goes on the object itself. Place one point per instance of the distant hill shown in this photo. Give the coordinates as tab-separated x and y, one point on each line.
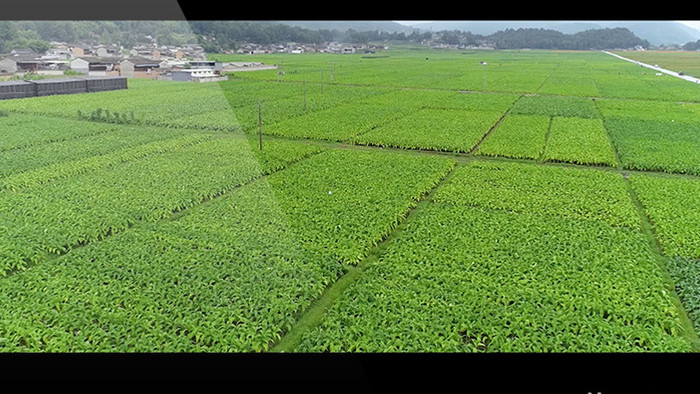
343	25
656	32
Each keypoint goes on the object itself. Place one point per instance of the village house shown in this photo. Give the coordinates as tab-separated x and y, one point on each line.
8	66
97	66
138	67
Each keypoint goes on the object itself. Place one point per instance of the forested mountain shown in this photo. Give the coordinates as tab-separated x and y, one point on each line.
38	34
552	39
656	32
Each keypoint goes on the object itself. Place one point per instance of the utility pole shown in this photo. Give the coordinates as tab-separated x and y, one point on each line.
259	127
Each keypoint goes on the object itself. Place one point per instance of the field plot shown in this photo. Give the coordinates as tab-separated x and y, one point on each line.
413	200
341	123
685	272
229	276
106	139
23	131
672	205
484	271
579	140
434	129
657	145
566	106
51	213
679	61
647	86
517	136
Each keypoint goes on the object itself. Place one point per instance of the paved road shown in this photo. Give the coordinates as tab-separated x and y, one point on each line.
659	69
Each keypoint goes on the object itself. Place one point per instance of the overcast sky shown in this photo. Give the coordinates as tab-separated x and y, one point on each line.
693	24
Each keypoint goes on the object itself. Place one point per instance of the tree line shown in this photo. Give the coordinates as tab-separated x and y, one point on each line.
225	35
218	36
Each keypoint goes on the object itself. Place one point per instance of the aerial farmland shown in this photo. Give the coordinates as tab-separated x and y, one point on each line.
420	201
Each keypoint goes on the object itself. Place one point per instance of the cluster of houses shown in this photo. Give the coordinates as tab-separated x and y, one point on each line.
187	63
332	47
181	64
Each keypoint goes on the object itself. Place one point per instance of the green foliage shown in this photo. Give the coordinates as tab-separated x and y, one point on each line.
465	278
434	129
231	275
348	201
21	130
160	225
43	166
686	274
657	145
80	202
517	136
567	106
562	192
671	205
228	276
579	140
340	123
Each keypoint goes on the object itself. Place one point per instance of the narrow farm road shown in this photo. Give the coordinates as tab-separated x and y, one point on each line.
657	68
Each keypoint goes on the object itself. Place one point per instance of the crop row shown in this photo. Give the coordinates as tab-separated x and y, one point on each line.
574	74
670	202
231	105
345	206
341	123
25	130
43	169
644	84
19	160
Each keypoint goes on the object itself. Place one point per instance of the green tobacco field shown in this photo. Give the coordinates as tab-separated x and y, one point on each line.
418	201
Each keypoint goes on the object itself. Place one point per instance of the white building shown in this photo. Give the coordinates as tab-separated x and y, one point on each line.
197	75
